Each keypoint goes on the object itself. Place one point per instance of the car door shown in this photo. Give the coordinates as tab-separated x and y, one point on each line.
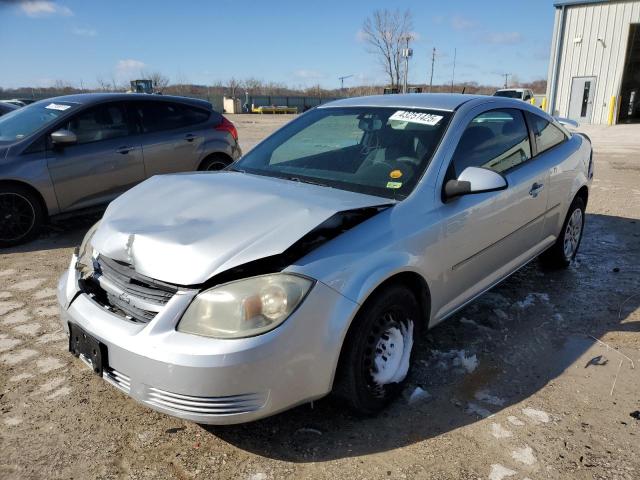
488	235
171	140
102	164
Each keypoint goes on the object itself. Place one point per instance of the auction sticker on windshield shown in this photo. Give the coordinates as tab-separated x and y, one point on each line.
416	117
58	106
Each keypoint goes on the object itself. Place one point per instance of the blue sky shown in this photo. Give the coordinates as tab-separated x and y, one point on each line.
300	43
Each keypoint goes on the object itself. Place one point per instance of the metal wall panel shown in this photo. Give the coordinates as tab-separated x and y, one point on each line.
591	57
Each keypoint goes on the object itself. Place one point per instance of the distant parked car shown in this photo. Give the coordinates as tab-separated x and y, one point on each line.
68	154
523	94
14	101
6	108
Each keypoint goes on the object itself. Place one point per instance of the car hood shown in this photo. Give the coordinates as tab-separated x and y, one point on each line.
185	228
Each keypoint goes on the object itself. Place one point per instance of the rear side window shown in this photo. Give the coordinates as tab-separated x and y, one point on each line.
547	135
102	122
158	116
497	140
194	115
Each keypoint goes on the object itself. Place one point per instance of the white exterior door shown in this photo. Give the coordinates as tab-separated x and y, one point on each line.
583	90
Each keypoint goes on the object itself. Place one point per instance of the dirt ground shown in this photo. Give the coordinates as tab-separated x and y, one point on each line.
551	395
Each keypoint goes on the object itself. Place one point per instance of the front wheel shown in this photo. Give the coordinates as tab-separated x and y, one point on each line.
562	253
21	216
376	355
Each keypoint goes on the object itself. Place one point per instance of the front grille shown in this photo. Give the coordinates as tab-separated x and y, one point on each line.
118	287
206	405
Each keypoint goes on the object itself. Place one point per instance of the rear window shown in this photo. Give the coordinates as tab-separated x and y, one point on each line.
508	94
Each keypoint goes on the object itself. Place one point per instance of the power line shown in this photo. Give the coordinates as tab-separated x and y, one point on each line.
506	79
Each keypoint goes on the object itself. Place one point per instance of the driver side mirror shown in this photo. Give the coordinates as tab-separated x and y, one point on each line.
60	138
474	180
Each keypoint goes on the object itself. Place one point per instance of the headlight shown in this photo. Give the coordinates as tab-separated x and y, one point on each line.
85	252
245	308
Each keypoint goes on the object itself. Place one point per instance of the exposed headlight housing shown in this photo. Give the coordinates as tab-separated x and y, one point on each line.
245	308
85	252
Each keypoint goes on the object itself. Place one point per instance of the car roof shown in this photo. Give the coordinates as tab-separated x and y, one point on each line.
434	101
90	98
512	89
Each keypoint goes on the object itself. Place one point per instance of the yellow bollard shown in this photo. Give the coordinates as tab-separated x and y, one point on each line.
532	101
612	109
544	104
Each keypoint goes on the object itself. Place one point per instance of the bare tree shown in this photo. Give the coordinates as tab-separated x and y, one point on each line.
158	80
385	33
233	87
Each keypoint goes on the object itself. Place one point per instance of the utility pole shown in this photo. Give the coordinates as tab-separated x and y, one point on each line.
433	61
406	53
453	74
342	79
506	79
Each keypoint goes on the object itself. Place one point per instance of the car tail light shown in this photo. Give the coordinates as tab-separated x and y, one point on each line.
226	126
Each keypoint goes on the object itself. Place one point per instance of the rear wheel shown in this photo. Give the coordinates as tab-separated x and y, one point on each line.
214	162
562	253
377	353
21	216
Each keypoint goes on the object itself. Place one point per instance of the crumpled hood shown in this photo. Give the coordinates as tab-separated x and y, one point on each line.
185	228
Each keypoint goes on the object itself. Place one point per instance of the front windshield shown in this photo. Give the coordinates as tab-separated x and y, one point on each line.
508	94
377	151
22	122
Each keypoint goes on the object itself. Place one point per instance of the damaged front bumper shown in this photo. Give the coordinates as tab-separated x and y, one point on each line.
214	381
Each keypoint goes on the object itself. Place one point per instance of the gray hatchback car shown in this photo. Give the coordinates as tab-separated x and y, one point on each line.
72	153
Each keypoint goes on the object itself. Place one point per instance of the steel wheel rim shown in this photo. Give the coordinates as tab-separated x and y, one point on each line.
17	216
572	234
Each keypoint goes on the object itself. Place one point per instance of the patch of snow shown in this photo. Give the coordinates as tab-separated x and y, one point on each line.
315	431
6	307
531	298
499	472
20	377
501	314
395	373
6	295
48	364
475	409
7	272
486	397
536	415
499	431
515	421
558	318
8	343
524	455
418	395
51	385
469	363
27	284
28	329
60	392
257	476
45	293
52	337
19	356
47	311
12	421
18	316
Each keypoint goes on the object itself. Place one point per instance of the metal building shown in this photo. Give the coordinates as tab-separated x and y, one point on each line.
594	68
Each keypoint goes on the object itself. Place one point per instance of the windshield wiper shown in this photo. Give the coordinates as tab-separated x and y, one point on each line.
304	180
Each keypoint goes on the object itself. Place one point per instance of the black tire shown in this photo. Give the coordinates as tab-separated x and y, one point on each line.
214	162
395	307
21	215
557	256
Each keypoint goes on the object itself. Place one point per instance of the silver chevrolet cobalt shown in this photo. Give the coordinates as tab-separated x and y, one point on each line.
311	264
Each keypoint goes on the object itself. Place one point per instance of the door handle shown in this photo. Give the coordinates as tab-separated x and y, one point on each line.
189	137
124	150
536	188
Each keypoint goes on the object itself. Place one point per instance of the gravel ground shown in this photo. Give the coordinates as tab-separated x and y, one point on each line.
534	380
